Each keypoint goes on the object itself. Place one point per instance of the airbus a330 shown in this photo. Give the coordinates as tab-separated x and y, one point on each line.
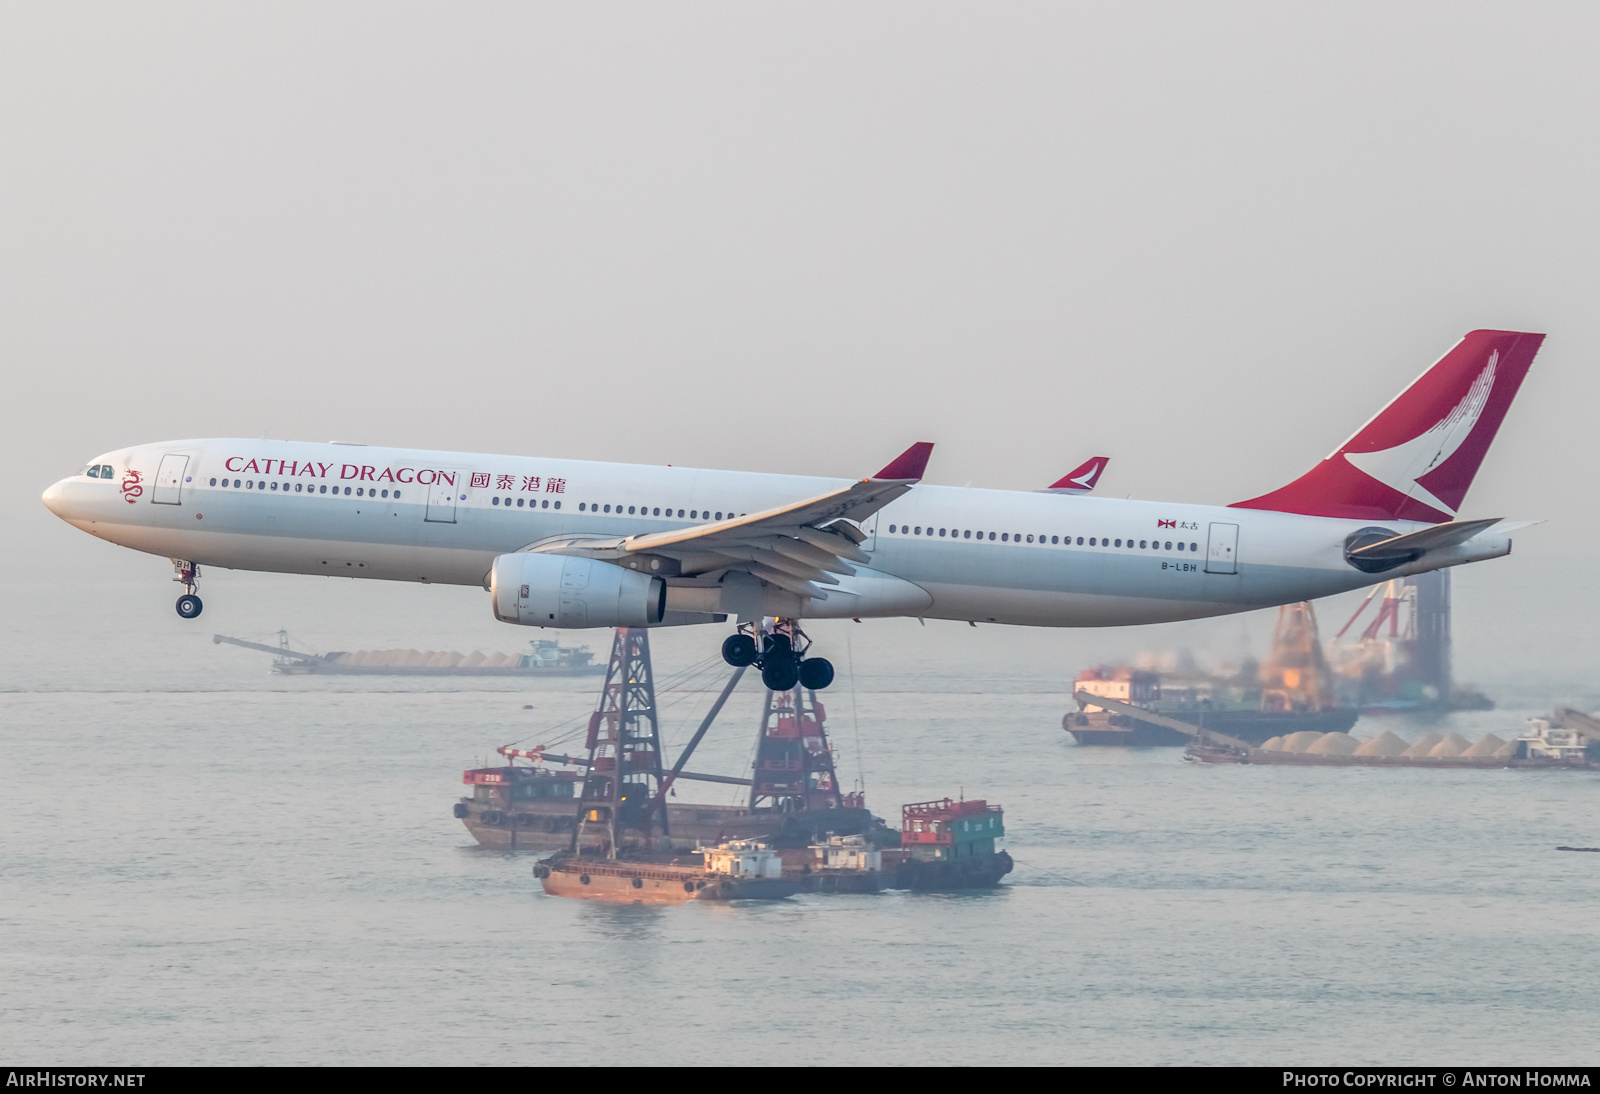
571	544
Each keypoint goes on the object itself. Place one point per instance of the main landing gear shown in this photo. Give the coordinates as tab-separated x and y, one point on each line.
780	654
189	605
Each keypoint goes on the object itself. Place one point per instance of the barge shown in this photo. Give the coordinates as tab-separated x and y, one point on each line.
1542	745
532	807
545	657
1291	692
734	870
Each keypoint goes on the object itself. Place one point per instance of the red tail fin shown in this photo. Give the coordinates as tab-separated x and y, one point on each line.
1081	479
1415	459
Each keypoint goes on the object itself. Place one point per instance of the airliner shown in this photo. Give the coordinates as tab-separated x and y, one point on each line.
572	544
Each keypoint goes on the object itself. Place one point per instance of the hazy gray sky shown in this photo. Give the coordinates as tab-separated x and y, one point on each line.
1206	240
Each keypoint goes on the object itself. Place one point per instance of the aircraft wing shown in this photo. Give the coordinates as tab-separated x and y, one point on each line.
797	546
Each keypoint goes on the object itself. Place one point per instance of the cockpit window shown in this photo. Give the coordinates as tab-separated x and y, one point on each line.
98	471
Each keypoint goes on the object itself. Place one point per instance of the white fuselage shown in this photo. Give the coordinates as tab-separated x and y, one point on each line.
1037	559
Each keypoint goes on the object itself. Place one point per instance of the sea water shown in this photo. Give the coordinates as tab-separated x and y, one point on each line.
201	862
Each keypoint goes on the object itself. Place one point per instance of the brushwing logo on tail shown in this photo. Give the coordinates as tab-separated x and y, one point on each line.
1081	479
1400	467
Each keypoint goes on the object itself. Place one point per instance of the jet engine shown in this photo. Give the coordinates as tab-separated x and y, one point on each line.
559	591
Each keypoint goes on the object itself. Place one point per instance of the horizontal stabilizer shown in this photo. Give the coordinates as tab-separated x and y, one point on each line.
1414	544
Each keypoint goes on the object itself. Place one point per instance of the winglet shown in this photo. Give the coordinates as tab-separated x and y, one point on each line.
1081	479
910	464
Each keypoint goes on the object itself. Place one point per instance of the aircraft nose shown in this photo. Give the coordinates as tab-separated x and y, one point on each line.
55	499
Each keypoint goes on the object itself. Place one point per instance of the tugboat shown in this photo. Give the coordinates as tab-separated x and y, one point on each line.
949	845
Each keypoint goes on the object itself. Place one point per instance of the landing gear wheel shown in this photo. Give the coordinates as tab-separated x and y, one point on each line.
780	673
739	650
189	606
777	645
816	673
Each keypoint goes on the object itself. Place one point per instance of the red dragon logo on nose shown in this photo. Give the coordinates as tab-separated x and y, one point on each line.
130	485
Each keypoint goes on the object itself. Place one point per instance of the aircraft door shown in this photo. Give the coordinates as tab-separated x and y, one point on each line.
447	488
170	475
1222	549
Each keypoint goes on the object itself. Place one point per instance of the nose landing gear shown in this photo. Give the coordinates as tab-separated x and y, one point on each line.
780	654
189	604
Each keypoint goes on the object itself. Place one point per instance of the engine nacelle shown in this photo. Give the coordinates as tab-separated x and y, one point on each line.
560	591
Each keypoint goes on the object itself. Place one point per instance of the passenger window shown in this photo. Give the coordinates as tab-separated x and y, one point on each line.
1119	543
630	510
386	493
359	492
347	491
1169	545
1194	546
1030	539
891	528
397	495
967	534
249	485
1141	544
581	507
236	484
719	516
1055	539
213	482
991	537
519	503
546	504
494	500
657	512
558	504
1180	545
1005	537
1091	541
941	533
608	509
680	512
694	514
